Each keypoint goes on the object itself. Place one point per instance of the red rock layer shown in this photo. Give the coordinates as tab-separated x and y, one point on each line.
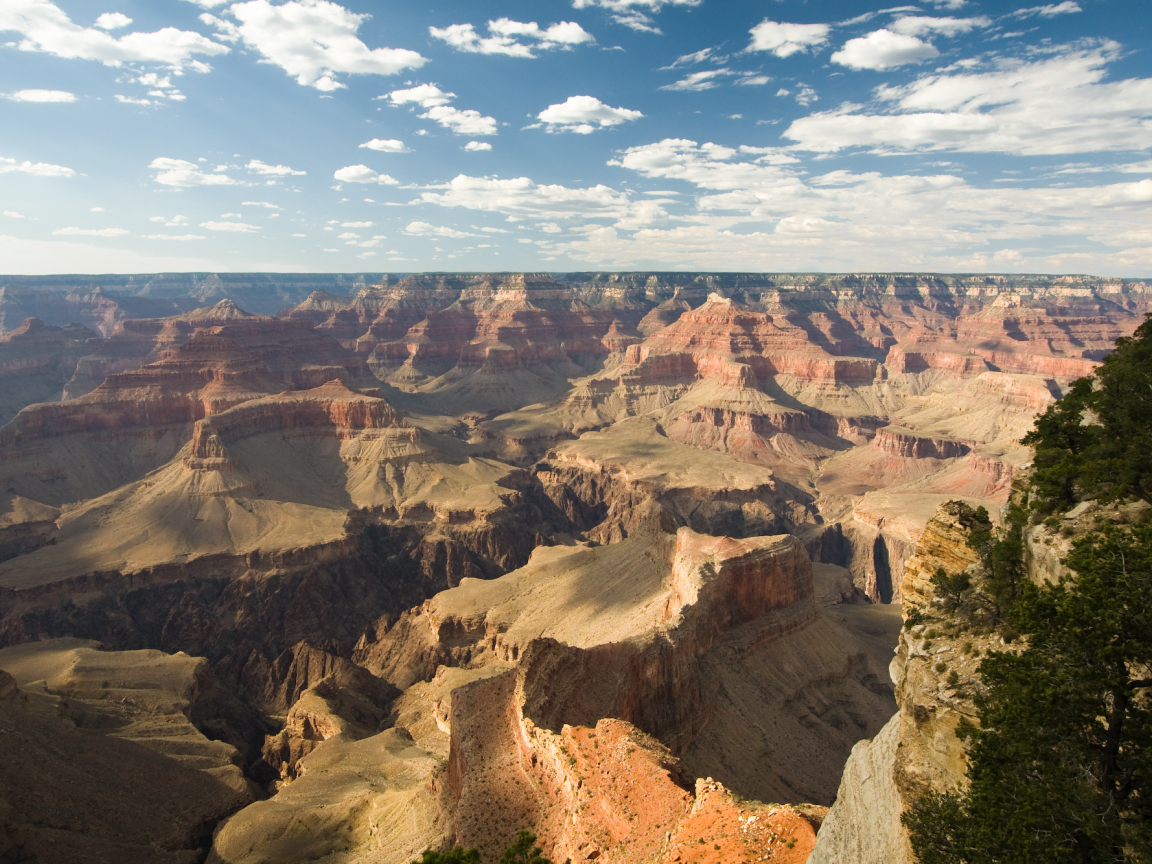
200	377
331	406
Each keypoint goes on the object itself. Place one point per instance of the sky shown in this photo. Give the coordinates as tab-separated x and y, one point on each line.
571	135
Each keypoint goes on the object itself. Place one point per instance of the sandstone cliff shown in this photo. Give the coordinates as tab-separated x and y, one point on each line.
917	751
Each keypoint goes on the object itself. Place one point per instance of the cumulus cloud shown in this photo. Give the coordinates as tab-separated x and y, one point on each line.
314	40
235	227
584	114
1051	10
91	232
262	168
425	229
784	39
709	165
41	96
435	101
357	224
883	49
363	174
522	198
506	37
386	145
919	25
112	21
757	213
1058	104
182	174
627	12
265	204
48	29
706	79
37	169
474	146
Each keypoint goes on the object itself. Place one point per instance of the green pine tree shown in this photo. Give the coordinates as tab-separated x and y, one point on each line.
1060	767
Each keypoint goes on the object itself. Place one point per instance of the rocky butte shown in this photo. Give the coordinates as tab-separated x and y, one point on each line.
349	568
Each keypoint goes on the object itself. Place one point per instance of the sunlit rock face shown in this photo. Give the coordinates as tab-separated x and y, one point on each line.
465	553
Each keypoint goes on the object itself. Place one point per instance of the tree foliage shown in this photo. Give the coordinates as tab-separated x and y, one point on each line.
1060	767
458	855
1096	441
523	850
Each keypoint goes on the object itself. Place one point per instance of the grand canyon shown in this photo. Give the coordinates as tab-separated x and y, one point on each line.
344	568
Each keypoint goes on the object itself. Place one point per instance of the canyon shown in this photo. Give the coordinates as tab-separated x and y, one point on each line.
347	568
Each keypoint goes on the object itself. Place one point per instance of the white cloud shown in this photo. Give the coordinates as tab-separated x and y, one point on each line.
435	100
266	205
919	25
760	216
113	21
348	235
363	174
37	169
424	95
424	229
92	232
1059	104
627	12
313	40
236	227
41	96
474	146
97	210
386	145
467	122
883	49
753	80
1050	10
784	40
357	224
173	237
584	114
12	214
258	167
709	166
48	29
522	198
182	174
703	80
208	4
700	56
130	100
506	35
225	30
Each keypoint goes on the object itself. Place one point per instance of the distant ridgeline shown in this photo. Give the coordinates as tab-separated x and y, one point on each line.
101	300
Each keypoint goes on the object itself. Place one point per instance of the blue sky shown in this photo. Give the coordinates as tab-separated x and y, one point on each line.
314	135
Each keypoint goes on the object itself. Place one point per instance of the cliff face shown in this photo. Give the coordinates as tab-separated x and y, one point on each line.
917	751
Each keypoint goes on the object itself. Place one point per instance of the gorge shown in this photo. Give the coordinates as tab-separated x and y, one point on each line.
404	563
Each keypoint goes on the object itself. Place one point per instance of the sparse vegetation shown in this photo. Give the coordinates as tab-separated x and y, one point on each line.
523	850
1060	764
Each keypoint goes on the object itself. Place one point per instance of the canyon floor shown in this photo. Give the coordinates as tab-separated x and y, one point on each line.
611	557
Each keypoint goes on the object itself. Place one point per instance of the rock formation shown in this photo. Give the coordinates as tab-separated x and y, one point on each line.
459	554
917	751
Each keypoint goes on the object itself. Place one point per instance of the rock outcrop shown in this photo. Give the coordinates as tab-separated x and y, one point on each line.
917	751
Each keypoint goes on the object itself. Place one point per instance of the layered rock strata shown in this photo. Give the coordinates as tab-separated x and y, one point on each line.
917	751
